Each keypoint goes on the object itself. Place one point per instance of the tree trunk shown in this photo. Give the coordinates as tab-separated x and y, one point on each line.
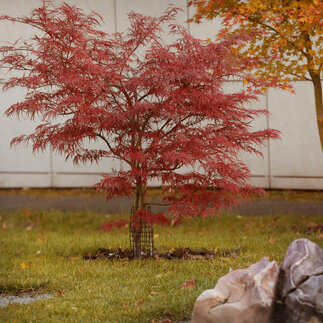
318	104
135	231
140	232
136	241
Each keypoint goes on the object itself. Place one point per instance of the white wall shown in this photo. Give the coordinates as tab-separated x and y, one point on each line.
296	161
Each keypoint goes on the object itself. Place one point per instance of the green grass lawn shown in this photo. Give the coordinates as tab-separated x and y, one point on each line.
42	252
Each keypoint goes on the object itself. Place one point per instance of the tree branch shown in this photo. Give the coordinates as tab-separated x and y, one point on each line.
274	30
155	203
110	147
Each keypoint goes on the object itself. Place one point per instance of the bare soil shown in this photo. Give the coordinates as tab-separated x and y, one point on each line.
179	253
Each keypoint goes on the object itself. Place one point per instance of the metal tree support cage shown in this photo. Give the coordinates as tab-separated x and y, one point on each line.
141	237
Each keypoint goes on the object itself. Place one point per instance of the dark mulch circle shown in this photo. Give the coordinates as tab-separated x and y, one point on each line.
179	253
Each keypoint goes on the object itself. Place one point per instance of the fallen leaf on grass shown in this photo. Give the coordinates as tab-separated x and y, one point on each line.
25	265
18	253
189	283
272	240
115	287
167	313
156	294
83	268
26	214
60	293
73	258
139	303
313	227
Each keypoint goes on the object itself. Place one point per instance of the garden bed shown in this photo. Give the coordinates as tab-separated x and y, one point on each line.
178	253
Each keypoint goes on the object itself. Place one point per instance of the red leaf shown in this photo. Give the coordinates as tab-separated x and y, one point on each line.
139	303
144	216
189	283
272	240
109	226
26	214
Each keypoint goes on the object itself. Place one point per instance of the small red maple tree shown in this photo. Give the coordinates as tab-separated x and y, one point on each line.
158	107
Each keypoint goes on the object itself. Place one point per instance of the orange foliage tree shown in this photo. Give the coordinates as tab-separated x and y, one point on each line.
290	32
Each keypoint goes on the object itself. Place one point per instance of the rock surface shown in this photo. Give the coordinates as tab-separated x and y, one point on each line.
22	299
300	285
243	295
306	302
303	259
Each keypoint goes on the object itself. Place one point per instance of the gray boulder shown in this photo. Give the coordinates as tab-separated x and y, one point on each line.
241	296
303	259
306	302
300	285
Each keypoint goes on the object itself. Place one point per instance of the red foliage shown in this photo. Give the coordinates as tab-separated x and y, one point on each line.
144	216
109	226
160	108
189	283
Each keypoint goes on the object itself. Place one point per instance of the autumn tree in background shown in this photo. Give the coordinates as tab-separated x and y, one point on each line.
288	31
158	107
